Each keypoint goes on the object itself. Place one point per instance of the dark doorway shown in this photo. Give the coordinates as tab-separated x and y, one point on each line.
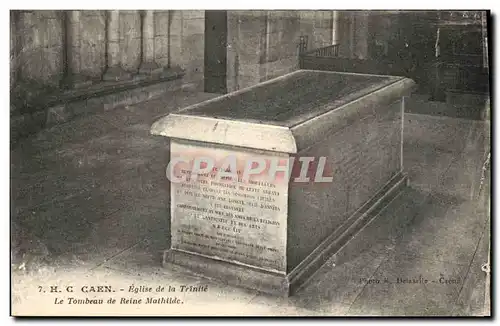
215	51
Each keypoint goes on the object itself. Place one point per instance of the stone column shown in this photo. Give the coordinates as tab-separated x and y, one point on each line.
114	72
265	57
484	33
74	77
148	64
335	27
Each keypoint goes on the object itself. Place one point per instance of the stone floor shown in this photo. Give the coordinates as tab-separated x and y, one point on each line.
88	208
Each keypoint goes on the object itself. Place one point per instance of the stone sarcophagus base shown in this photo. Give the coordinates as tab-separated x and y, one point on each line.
325	150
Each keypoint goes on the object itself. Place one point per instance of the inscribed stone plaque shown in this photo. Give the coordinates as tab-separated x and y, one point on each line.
232	220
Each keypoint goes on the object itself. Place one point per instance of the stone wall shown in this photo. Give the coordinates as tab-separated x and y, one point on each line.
246	43
351	30
261	45
14	64
179	41
38	53
345	33
130	39
39	39
317	26
360	50
284	37
91	52
192	47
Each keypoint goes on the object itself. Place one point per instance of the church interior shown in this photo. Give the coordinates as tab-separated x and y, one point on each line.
87	178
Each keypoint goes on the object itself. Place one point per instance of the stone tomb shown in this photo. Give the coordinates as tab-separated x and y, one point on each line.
344	134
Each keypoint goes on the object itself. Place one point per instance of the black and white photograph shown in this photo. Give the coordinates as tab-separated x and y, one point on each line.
263	163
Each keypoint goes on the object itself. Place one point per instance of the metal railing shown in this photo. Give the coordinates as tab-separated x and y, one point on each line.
331	51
